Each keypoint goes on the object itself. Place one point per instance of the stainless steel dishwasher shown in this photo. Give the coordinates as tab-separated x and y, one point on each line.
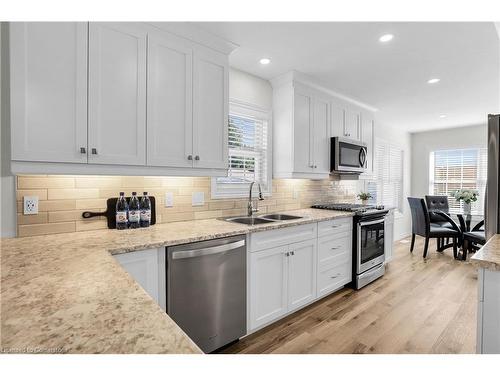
206	290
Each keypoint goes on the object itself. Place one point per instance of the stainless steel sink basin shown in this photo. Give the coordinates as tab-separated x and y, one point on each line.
248	220
280	217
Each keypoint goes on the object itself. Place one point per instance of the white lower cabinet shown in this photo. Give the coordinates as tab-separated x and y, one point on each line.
268	285
301	274
296	268
147	267
488	317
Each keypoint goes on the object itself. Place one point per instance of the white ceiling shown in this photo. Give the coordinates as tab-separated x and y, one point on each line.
348	58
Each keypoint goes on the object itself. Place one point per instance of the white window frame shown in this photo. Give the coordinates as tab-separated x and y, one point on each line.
476	211
227	190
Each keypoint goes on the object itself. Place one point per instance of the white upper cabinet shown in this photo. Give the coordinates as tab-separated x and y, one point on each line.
170	100
48	69
346	120
117	94
210	109
368	137
301	137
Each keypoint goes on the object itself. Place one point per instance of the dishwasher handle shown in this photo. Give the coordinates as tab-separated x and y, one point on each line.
207	251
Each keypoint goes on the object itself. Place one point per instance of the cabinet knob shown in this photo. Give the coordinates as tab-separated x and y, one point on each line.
196	157
292	253
315	166
190	157
287	254
83	150
94	151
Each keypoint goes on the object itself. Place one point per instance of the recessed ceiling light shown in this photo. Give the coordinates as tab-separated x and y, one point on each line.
442	116
265	61
386	37
433	80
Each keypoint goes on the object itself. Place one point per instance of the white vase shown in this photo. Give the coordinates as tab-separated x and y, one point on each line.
364	201
467	208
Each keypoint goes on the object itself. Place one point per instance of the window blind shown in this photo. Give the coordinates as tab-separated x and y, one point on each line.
451	170
387	188
248	138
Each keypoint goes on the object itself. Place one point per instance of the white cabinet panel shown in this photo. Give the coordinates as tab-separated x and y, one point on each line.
338	119
333	278
335	226
147	267
352	123
367	136
268	286
321	136
301	274
490	328
49	91
169	122
117	94
282	237
210	111
389	235
302	130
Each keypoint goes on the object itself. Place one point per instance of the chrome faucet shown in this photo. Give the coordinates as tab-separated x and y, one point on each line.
250	207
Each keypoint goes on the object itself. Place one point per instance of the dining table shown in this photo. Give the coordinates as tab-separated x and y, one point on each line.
464	220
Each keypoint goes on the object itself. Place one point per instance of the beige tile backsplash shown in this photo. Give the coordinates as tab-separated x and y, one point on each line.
62	199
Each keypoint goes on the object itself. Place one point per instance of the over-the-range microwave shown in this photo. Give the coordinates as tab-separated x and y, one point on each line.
347	156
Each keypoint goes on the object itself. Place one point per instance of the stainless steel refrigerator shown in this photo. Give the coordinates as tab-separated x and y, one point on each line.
492	209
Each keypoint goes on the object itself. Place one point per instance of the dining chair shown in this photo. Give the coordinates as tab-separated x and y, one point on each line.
422	226
439	202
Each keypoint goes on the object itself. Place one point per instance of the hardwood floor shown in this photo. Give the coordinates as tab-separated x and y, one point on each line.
419	306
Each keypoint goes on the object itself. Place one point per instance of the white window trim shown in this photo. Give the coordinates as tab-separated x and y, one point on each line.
241	191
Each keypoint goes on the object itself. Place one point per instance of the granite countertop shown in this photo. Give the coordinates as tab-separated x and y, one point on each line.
65	293
489	255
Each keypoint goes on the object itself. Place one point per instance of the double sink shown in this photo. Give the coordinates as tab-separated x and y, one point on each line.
263	219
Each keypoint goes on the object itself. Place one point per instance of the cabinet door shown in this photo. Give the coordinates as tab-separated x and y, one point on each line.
302	130
268	286
210	109
117	94
339	113
367	136
352	123
301	273
321	136
169	120
48	68
147	267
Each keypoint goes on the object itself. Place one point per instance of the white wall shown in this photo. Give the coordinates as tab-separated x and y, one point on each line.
247	88
7	183
425	142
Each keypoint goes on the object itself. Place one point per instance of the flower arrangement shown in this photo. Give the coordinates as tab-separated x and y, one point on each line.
466	195
364	196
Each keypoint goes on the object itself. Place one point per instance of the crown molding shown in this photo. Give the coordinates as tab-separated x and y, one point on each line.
189	30
295	76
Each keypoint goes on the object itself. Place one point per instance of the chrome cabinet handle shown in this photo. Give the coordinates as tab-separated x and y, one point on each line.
334	277
83	150
292	252
94	151
190	157
335	225
196	157
287	254
335	248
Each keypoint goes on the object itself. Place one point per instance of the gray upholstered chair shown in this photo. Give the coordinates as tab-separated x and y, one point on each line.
421	226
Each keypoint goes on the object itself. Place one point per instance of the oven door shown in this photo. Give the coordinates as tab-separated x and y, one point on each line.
348	155
370	246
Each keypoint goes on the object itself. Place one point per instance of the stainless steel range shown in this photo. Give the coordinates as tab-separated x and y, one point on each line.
367	240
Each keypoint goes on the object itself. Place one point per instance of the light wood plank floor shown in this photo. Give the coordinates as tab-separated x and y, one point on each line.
419	306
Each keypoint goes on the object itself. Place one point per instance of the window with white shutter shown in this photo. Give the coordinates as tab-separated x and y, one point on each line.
451	170
248	151
387	188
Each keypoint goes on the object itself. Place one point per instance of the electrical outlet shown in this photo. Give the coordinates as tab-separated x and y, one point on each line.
169	199
30	205
198	198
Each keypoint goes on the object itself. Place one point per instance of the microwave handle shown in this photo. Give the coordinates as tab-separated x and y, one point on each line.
362	157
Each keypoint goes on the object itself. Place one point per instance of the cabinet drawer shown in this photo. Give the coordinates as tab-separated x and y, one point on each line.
330	279
279	237
333	246
334	226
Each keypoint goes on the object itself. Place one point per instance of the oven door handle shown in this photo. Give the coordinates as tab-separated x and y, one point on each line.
365	223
